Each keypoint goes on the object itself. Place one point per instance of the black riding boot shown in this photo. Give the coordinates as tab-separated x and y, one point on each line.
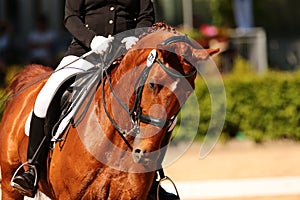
25	183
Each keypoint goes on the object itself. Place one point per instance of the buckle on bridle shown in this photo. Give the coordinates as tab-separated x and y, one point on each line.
134	131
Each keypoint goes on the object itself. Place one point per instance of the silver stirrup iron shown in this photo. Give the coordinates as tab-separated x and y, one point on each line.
16	172
166	178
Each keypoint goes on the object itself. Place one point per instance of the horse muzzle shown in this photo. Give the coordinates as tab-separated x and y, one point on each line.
143	157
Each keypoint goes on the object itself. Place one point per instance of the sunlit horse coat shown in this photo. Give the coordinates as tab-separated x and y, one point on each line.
96	160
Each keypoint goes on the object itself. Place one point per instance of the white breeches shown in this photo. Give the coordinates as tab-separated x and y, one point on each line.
61	74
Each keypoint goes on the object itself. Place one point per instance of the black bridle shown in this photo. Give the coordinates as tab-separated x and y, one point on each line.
136	112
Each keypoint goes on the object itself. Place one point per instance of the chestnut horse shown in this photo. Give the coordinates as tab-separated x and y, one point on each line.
113	153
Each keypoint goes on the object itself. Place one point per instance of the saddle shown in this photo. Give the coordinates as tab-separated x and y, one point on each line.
76	99
72	100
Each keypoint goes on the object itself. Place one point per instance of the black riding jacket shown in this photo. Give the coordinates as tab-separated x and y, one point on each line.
85	19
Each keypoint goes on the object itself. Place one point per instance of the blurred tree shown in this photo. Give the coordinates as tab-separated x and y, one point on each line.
222	13
201	12
215	10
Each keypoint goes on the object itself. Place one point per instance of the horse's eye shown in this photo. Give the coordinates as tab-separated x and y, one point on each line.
152	85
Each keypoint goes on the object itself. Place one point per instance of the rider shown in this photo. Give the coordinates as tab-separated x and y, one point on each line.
92	24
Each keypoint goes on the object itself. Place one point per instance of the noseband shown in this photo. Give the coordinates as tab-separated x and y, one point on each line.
136	112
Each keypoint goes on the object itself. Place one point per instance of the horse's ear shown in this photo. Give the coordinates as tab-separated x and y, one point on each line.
203	54
212	51
186	51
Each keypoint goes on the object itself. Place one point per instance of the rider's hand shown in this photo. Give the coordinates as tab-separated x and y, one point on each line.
129	41
100	44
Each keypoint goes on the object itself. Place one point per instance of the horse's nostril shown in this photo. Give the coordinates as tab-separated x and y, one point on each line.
137	155
137	151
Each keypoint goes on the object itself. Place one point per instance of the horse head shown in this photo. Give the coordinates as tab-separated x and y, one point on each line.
163	79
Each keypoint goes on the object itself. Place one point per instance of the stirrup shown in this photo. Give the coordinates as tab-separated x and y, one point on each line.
164	179
21	166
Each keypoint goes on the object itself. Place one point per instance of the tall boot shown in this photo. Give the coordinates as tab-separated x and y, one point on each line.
27	182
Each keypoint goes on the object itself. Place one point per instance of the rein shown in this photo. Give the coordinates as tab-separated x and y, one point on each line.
136	112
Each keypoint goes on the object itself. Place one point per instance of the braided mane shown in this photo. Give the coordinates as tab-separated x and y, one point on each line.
158	26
